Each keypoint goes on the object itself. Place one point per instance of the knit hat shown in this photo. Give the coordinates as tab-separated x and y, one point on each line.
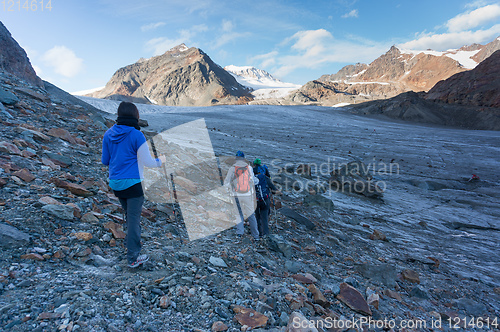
240	154
257	162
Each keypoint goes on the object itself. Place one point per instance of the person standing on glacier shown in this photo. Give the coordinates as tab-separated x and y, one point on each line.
125	151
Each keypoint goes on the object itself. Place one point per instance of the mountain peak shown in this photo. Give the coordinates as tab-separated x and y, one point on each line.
179	48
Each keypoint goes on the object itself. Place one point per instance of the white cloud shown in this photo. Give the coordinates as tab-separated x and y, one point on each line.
460	30
449	40
162	44
152	26
352	13
63	60
474	18
315	48
228	34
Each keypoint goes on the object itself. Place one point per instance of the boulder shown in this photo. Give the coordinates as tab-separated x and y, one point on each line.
8	98
59	211
12	237
286	211
353	299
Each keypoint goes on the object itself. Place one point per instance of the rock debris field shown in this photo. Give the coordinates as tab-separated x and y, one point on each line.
423	251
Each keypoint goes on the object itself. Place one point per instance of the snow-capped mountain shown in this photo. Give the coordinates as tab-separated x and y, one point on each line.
264	85
397	71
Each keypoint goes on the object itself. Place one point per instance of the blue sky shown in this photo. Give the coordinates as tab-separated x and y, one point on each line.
78	45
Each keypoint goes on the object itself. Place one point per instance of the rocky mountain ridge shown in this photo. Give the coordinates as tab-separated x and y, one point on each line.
392	73
13	59
469	99
181	76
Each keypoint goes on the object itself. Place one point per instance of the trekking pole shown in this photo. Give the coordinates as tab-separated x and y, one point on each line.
155	152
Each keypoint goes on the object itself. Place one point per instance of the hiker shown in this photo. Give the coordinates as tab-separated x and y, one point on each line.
263	192
125	150
260	168
240	183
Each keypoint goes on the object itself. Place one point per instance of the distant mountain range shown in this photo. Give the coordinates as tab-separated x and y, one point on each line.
392	73
263	85
457	87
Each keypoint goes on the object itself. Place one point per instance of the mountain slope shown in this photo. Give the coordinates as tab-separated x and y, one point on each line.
477	87
180	77
13	59
469	99
395	72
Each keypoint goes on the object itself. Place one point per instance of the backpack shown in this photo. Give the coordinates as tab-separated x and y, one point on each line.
242	179
262	189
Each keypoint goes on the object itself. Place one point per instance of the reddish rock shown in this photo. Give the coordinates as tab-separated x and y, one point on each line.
319	298
90	218
49	315
115	229
374	300
219	327
33	256
50	163
74	188
392	295
305	278
3	182
28	154
353	299
9	148
62	134
83	236
84	253
25	175
249	317
378	235
165	302
48	200
411	276
77	212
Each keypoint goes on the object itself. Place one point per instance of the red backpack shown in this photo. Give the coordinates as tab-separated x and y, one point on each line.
243	179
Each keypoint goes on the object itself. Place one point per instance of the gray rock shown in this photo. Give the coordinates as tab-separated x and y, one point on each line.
471	307
320	201
286	211
293	267
60	211
11	236
419	292
283	319
278	244
60	158
8	98
216	261
383	273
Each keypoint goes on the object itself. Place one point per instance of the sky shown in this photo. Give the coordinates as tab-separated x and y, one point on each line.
78	45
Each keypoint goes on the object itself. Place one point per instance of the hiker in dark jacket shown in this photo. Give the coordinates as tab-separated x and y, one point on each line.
125	150
263	189
260	168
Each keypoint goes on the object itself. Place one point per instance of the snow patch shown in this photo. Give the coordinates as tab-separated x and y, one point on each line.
341	104
464	58
86	92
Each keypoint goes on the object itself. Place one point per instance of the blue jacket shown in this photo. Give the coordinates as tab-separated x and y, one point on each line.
125	151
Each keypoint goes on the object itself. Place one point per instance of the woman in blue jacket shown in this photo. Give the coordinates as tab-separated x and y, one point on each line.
125	150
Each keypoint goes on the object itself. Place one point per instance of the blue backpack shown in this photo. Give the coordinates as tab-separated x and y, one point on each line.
262	189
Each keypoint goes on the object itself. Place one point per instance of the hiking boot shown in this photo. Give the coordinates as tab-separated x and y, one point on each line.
139	261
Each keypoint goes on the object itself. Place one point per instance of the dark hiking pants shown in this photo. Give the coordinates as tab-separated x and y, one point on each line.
133	209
